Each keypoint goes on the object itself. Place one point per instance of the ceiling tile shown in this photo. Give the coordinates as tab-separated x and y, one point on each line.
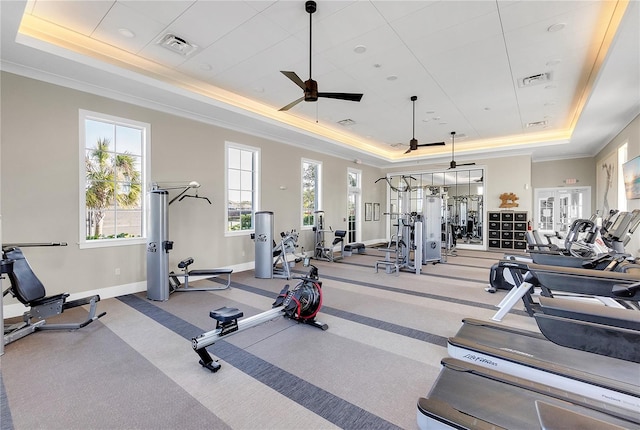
145	30
82	17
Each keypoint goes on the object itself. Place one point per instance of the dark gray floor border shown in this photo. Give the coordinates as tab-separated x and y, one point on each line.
415	293
449	262
6	421
424	271
321	402
371	322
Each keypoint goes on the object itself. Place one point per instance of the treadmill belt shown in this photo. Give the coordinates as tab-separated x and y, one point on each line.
530	355
510	402
534	348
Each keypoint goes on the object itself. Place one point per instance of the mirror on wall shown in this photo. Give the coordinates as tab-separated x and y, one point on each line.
461	190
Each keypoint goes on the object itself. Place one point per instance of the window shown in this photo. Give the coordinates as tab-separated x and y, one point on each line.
114	170
242	183
311	179
353	204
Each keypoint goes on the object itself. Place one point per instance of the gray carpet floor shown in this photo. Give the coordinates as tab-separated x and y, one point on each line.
135	368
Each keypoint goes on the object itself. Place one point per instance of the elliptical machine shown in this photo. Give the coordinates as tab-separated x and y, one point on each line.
302	304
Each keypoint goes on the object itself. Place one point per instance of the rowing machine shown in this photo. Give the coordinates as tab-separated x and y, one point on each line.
301	303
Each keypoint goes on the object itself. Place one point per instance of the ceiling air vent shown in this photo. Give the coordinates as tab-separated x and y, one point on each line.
534	80
346	122
177	44
536	124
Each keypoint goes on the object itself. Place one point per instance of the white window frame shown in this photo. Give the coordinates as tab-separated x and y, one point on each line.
318	194
84	115
256	187
357	192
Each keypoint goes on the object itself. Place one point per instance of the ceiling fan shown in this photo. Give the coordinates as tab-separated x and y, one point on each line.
310	87
453	163
413	143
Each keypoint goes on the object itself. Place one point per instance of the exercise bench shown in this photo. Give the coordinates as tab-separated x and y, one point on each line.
184	265
27	288
353	247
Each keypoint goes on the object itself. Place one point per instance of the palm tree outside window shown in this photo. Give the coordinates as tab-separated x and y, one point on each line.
114	179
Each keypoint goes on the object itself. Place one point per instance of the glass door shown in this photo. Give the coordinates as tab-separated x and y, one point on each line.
353	205
557	208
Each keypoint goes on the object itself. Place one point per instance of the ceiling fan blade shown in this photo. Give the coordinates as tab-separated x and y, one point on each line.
295	78
407	151
342	96
292	104
454	165
432	144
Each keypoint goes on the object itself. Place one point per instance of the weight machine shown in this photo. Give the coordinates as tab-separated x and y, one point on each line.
321	250
161	283
418	237
27	288
285	254
273	260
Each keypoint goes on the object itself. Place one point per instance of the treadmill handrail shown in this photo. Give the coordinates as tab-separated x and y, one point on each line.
574	271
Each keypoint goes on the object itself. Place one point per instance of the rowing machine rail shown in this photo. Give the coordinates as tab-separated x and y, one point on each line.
302	304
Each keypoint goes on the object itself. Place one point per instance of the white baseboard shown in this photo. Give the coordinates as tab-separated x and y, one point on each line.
17	309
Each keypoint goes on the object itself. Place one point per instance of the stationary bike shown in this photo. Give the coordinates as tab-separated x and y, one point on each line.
301	304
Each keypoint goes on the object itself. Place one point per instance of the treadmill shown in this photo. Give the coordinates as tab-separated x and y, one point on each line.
616	231
589	327
621	288
529	355
469	396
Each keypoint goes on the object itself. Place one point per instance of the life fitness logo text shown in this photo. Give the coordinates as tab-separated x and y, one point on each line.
479	359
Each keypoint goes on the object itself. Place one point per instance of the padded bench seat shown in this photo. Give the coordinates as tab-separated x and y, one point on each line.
354	247
210	272
184	265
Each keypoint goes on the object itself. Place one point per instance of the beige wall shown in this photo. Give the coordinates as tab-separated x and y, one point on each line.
631	136
552	174
40	182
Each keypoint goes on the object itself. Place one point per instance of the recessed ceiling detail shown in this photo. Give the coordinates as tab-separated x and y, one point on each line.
464	75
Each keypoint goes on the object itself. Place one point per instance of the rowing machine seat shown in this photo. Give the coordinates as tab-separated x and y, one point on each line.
226	314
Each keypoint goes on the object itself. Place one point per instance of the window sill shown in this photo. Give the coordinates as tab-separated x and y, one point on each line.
107	243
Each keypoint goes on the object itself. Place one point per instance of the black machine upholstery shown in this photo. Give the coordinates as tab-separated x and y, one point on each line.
27	288
25	284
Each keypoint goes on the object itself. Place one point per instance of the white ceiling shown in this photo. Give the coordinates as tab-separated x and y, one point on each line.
464	60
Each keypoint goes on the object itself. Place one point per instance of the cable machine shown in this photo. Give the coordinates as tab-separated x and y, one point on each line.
161	283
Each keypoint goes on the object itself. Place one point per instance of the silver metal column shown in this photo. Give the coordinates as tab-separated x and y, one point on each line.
263	239
158	246
432	238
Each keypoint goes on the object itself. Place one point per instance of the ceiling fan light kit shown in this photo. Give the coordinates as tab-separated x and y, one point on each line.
310	87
